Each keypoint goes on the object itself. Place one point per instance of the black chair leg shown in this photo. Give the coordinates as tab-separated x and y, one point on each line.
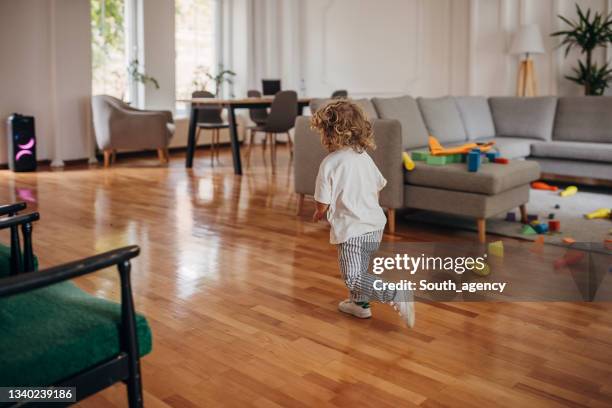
129	335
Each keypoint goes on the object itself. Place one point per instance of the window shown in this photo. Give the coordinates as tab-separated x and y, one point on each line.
195	47
109	73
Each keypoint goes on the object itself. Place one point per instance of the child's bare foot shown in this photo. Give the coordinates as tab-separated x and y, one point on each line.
349	307
404	306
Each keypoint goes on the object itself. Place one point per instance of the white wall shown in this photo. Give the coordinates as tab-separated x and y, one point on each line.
420	47
45	71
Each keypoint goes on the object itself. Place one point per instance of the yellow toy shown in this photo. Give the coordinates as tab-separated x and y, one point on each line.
496	249
436	149
570	191
601	213
408	163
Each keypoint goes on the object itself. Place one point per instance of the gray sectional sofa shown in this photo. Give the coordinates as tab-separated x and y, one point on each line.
569	137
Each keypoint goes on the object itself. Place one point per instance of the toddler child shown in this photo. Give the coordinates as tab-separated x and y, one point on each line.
347	189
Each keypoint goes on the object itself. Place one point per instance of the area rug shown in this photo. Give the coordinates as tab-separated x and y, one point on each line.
571	214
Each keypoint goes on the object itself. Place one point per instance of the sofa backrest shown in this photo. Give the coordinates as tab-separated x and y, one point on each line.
524	117
476	117
405	110
443	119
584	119
364	103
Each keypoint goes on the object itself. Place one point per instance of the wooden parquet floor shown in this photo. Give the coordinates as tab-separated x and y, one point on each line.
241	296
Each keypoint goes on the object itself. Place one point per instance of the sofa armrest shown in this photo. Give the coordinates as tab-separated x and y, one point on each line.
308	155
388	159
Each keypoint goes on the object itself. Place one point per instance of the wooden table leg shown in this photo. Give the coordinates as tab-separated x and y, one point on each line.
524	218
191	135
231	115
482	232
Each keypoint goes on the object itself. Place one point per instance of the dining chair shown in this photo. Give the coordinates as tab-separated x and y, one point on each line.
209	118
340	94
281	119
258	116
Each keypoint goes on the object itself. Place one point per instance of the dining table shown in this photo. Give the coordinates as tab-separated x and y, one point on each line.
231	105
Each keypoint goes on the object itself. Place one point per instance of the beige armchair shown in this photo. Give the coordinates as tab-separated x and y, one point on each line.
119	126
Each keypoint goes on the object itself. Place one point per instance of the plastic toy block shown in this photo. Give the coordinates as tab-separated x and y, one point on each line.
539	185
437	160
554	225
569	240
551	216
408	163
511	217
532	217
569	191
541	228
557	206
456	158
496	249
501	160
419	156
473	161
528	230
600	213
492	156
538	245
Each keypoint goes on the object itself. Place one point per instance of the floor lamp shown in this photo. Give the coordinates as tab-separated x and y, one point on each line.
527	41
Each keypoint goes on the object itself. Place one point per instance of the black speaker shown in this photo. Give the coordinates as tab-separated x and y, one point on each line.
21	143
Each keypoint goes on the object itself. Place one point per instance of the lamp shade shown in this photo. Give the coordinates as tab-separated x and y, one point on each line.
527	40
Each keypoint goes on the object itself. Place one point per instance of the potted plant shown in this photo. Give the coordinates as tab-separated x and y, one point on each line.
222	76
587	34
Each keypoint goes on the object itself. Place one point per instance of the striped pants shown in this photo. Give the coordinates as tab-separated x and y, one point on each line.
354	258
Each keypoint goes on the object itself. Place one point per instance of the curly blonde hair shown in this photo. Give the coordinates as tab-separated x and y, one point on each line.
343	123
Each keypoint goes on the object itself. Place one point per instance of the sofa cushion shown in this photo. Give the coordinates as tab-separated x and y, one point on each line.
601	152
476	116
511	147
442	119
490	179
574	168
405	110
523	117
364	103
53	333
584	119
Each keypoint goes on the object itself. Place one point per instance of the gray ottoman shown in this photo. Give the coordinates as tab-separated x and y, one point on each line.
451	189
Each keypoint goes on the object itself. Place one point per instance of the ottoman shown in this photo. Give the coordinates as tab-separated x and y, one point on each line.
451	189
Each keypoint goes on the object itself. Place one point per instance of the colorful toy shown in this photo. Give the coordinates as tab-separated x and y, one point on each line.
551	216
532	217
540	185
557	206
569	259
511	217
569	240
492	156
528	230
437	160
473	160
419	156
569	191
600	213
541	228
408	163
538	245
501	160
554	225
496	249
437	149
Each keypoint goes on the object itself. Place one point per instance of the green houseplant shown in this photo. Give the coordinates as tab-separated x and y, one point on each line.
222	76
141	76
590	31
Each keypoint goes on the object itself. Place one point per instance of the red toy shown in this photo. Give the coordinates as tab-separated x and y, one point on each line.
554	225
539	185
501	160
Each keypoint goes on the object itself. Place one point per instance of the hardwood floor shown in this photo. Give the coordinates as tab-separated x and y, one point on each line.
241	296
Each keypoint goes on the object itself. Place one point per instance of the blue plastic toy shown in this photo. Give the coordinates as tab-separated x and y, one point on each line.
473	160
491	156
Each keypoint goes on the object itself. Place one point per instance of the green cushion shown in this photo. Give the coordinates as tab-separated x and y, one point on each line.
53	333
5	261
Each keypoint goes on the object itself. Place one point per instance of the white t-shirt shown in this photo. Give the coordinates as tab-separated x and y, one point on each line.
349	182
